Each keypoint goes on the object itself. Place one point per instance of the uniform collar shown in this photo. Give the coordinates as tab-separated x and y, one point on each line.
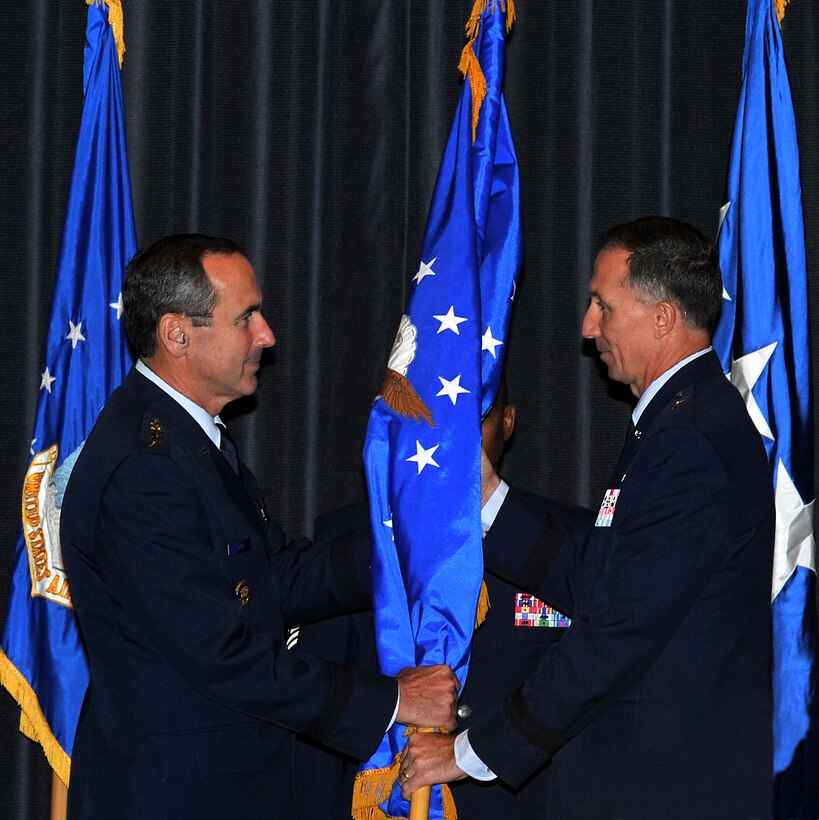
197	412
655	386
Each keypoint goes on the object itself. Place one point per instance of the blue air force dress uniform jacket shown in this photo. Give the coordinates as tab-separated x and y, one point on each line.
183	589
656	702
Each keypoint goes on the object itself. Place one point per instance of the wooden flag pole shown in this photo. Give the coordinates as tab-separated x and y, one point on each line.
59	798
419	804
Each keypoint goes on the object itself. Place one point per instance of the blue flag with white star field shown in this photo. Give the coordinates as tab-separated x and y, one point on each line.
42	663
763	342
422	451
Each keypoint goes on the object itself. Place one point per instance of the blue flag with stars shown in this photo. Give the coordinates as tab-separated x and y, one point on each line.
764	344
42	663
422	451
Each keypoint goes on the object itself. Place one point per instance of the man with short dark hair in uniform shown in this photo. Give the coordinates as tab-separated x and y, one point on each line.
656	703
184	585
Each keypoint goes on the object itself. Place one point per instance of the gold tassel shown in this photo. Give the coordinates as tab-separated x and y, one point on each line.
115	20
484	605
32	721
507	6
471	69
475	19
780	9
469	65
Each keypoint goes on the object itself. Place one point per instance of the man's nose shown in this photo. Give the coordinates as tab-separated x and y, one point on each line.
590	328
265	336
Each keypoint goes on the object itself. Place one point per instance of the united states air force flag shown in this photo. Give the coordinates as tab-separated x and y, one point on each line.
422	451
42	663
763	341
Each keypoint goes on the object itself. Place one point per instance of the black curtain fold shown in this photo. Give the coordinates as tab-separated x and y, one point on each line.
311	134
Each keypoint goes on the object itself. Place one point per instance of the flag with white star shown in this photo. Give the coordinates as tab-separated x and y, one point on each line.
763	342
42	663
423	470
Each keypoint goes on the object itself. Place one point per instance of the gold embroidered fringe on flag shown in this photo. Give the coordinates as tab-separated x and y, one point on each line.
115	21
469	65
373	786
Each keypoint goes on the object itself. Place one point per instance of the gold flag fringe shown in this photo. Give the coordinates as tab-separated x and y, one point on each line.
32	720
373	786
507	6
469	65
115	20
471	69
484	605
780	9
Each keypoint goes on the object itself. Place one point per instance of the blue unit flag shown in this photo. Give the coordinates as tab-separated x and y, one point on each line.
422	452
42	663
764	344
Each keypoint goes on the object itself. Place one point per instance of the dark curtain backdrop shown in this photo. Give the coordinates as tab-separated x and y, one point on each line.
311	132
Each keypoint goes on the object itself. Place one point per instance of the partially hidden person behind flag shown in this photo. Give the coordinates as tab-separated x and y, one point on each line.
506	649
184	584
656	702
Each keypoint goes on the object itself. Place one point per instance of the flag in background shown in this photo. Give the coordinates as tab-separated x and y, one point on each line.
42	662
763	342
422	452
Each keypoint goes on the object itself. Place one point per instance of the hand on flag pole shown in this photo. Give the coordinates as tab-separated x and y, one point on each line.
428	758
428	696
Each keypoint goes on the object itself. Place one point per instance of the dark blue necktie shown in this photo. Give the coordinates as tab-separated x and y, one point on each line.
228	448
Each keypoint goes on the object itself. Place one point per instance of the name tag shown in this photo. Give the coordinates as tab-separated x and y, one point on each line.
531	611
235	547
605	516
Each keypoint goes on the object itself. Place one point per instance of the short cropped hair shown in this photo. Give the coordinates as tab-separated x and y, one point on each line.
671	260
169	277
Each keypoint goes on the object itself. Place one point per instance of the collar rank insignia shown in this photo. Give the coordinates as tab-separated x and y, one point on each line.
605	516
157	432
678	400
243	591
531	611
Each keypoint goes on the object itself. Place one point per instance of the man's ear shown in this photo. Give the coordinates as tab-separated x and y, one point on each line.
666	316
509	416
172	335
